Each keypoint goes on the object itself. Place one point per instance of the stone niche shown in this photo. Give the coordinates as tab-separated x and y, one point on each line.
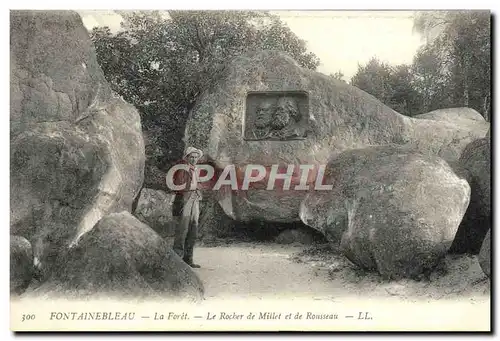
276	115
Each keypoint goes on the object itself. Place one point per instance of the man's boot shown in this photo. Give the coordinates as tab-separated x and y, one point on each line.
191	264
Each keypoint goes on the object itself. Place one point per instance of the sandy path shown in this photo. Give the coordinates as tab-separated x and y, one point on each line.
271	282
269	271
258	271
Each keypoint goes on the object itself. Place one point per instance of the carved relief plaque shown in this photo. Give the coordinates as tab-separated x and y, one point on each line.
276	115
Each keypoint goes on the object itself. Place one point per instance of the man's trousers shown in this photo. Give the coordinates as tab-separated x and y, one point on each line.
186	230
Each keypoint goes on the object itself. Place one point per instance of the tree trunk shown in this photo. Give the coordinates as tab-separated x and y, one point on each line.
466	92
486	108
466	82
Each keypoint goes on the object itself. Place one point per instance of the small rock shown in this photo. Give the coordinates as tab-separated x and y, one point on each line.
298	235
21	264
485	254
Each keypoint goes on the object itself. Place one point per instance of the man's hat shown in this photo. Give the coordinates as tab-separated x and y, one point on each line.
190	150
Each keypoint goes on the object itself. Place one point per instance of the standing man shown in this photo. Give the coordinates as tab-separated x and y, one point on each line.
186	231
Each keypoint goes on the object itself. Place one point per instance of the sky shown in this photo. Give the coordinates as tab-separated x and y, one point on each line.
340	39
343	39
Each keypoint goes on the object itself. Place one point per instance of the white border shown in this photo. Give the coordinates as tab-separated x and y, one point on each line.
186	4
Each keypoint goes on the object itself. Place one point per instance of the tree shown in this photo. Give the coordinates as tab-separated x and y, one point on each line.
404	99
339	75
374	78
162	61
430	80
392	85
461	41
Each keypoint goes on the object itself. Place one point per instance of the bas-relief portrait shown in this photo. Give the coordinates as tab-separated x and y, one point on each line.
276	116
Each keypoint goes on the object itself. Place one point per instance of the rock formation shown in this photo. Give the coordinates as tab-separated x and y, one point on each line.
154	208
77	167
335	116
122	257
475	162
21	264
392	209
77	149
485	254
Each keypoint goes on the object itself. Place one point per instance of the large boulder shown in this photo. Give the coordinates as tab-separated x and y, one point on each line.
154	208
392	209
77	151
475	161
121	257
485	254
460	115
233	122
21	264
460	126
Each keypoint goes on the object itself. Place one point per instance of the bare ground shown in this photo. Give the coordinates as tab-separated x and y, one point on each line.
264	277
269	270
